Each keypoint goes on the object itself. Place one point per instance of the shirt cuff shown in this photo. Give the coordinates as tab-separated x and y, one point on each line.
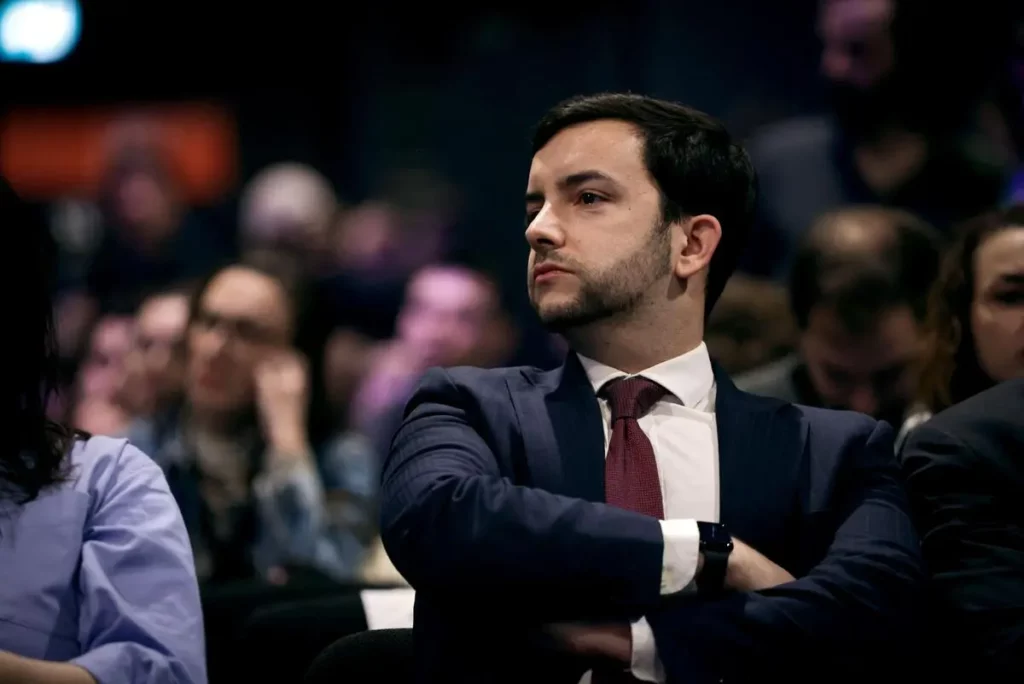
681	555
645	664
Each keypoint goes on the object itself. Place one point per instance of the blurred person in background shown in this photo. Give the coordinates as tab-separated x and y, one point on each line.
906	127
975	331
289	207
858	289
453	315
156	364
236	451
348	356
751	325
98	408
242	461
98	582
377	245
151	239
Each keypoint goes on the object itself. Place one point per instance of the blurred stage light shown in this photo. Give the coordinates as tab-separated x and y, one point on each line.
39	31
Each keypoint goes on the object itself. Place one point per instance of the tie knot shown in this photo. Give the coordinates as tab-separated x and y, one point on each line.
632	397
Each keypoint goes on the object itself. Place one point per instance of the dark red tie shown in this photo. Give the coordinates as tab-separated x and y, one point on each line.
630	471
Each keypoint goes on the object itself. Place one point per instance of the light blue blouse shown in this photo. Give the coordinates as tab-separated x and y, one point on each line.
99	572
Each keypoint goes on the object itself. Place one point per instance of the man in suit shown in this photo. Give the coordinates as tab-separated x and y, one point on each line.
965	473
633	506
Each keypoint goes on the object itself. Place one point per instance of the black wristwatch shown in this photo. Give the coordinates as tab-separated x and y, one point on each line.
715	546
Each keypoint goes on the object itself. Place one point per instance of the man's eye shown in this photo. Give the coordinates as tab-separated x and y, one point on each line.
590	198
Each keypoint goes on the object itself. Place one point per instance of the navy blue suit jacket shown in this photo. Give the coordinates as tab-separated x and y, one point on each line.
492	509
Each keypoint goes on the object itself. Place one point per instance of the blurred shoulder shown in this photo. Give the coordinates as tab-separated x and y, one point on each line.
785	138
997	408
988	426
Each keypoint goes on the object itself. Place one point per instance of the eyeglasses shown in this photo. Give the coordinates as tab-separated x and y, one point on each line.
245	330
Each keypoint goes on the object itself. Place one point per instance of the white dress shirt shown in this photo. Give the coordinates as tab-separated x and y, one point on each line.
682	431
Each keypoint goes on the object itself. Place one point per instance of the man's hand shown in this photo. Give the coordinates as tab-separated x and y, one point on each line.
748	570
613	641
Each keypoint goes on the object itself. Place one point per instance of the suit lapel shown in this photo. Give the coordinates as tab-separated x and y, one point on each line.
760	449
760	453
562	433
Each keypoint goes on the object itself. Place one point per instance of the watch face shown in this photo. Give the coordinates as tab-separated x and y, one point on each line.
715	536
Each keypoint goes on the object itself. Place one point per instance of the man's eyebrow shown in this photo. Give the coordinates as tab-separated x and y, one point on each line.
573	180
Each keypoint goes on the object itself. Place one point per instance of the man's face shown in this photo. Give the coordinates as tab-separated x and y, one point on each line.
873	372
445	315
593	218
857	50
242	317
858	61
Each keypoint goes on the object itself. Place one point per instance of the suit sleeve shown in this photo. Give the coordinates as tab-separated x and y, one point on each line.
861	598
973	544
452	522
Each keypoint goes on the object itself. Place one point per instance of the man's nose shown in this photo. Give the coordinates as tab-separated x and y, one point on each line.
545	231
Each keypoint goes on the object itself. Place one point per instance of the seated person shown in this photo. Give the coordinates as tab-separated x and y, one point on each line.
975	316
858	289
98	581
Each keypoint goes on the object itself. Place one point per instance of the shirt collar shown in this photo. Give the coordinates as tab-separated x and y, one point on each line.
688	377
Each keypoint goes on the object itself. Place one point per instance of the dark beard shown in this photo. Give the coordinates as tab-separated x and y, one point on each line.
591	306
616	292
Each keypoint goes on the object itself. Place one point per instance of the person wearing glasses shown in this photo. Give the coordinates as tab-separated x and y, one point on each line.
236	450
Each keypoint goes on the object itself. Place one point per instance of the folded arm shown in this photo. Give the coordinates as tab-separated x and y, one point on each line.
140	619
860	600
452	521
972	542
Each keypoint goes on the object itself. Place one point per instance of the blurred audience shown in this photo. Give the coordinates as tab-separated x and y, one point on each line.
97	404
376	246
903	130
156	365
751	325
976	316
858	289
150	240
289	207
452	315
236	449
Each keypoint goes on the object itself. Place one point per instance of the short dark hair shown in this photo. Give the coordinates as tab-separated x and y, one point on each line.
893	262
695	163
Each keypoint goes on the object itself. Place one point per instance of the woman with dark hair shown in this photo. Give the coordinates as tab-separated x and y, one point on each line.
975	316
97	580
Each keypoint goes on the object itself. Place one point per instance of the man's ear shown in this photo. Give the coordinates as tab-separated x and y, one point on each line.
701	235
